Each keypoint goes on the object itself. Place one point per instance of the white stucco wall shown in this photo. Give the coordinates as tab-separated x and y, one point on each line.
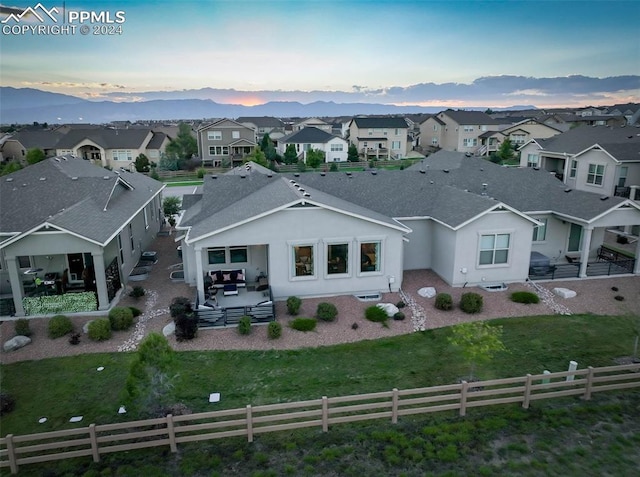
417	251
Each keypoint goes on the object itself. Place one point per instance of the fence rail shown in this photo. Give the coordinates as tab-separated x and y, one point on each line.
96	440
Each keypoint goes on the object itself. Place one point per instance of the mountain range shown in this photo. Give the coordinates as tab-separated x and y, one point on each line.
27	105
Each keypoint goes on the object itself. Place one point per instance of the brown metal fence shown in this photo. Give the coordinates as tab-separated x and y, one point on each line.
96	440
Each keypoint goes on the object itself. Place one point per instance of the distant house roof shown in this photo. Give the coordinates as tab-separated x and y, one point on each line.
42	139
390	122
262	122
470	117
310	135
72	195
157	140
105	138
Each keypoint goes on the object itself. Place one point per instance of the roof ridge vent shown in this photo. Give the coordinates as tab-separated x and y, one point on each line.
106	178
9	179
306	194
74	178
43	178
446	171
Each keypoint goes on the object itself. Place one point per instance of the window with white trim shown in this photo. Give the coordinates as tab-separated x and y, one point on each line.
435	127
303	260
395	145
518	139
370	256
120	250
595	176
468	129
121	155
235	134
573	170
214	135
238	254
533	160
494	249
540	231
218	150
434	141
337	258
470	142
336	147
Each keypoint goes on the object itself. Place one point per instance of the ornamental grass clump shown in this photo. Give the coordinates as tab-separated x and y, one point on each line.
376	314
303	324
525	297
293	305
22	327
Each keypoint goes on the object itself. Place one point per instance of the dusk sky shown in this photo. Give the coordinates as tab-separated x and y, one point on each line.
453	53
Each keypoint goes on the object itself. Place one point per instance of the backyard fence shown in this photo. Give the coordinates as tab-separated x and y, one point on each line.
97	440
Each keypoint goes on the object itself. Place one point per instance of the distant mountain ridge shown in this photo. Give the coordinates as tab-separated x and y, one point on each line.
26	105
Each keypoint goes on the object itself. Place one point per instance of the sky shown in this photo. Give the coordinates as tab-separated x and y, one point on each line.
548	53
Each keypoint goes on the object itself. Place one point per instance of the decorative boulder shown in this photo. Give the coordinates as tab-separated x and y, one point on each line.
169	329
427	292
564	292
389	308
85	328
16	342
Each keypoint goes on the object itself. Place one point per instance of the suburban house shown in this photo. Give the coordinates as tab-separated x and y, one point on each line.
335	148
225	142
274	127
14	146
470	221
381	138
597	159
518	133
313	123
65	221
458	130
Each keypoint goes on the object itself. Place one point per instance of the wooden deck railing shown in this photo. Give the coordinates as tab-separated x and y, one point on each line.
96	440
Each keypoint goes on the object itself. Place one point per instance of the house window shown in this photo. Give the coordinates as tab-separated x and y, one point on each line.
214	135
218	150
24	261
533	160
133	247
121	155
434	141
337	258
235	134
435	127
336	147
494	249
217	256
120	251
306	147
397	131
574	168
540	231
370	257
303	259
595	175
395	145
622	179
518	139
470	142
468	129
238	255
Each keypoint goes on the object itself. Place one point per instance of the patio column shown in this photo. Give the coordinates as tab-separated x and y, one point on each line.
16	285
636	267
199	275
101	280
584	255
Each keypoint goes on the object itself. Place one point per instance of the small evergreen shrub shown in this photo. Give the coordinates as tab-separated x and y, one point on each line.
525	297
179	306
7	403
293	305
398	316
136	311
137	292
60	325
326	311
244	326
100	330
22	327
201	172
121	318
471	302
376	314
401	304
304	324
186	326
274	330
443	302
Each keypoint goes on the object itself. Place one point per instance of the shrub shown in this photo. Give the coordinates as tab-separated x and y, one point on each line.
398	316
74	339
303	324
22	327
401	304
274	330
200	172
444	301
326	311
376	314
179	306
293	305
7	403
59	325
100	330
186	325
244	326
355	326
619	298
137	292
525	297
471	302
121	318
135	311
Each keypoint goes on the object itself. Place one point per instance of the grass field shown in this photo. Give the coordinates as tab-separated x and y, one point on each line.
64	387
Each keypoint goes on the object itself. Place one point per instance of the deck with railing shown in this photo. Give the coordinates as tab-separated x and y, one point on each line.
608	262
219	317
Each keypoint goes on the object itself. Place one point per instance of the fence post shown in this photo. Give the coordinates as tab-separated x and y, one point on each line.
94	443
527	392
394	406
249	424
463	398
11	453
172	434
325	414
589	386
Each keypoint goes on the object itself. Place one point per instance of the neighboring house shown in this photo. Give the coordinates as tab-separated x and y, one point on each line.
458	130
225	143
470	221
274	127
335	148
597	159
382	138
64	216
631	112
313	123
16	146
518	133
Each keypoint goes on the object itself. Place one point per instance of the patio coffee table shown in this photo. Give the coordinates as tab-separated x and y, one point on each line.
231	289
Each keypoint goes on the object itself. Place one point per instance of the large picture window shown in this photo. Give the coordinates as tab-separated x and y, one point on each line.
540	231
303	260
494	249
337	258
238	254
214	135
217	256
370	256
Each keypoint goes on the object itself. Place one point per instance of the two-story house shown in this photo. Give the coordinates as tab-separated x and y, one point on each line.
518	134
335	148
274	127
383	138
458	130
225	143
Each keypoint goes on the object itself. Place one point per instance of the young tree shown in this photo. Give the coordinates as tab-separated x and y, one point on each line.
142	163
257	156
506	151
478	341
314	158
35	155
10	167
268	148
168	162
170	207
183	147
290	154
352	153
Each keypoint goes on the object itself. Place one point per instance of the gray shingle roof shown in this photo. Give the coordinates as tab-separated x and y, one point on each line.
390	122
43	139
470	117
262	122
106	138
157	140
74	195
310	135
